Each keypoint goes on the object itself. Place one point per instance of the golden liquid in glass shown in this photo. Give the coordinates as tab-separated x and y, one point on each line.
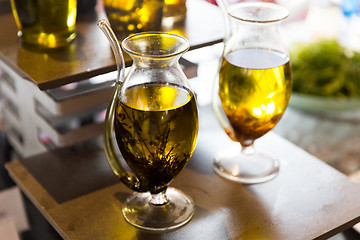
254	89
156	129
45	23
132	16
175	10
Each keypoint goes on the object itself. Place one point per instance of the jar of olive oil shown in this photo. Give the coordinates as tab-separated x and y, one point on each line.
174	12
132	16
45	23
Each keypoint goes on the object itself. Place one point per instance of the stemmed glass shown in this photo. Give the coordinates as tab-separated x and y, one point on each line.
153	114
253	88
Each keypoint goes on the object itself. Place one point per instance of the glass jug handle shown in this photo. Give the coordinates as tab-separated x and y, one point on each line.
219	112
223	5
123	175
216	103
129	179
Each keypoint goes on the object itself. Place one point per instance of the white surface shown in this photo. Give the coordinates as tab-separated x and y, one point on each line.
12	209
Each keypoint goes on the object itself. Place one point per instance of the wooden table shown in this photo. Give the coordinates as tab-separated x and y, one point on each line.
78	194
90	54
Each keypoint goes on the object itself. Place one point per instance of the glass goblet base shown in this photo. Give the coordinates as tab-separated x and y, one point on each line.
141	213
246	167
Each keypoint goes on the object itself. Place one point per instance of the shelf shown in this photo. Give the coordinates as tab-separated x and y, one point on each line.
90	54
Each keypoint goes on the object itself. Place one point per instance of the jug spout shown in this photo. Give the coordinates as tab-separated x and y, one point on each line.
115	46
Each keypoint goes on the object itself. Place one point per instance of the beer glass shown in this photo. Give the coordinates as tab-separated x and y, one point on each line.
154	116
253	88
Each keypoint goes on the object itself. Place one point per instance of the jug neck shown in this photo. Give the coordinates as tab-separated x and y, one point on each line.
257	35
155	49
145	61
255	28
253	13
255	25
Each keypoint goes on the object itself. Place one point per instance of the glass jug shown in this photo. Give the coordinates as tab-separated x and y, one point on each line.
252	89
154	115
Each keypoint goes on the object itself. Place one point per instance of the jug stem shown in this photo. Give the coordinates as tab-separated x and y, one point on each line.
114	43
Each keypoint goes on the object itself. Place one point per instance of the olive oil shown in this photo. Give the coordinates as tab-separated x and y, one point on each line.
45	23
156	130
254	89
175	11
132	16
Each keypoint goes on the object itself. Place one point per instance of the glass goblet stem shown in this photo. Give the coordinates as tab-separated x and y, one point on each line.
247	150
247	166
159	198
